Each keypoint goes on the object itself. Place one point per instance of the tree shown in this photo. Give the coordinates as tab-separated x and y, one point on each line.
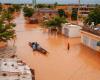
94	16
74	14
11	10
17	7
0	7
55	22
28	12
50	6
6	27
55	4
42	6
7	16
61	13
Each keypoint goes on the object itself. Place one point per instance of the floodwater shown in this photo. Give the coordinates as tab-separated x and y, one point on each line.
79	63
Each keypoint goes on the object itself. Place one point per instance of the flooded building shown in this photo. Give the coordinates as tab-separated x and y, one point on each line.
71	31
90	40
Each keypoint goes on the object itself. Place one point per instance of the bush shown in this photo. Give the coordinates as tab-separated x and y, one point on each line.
6	27
6	15
74	14
28	12
41	6
17	7
44	6
0	7
61	13
55	22
11	10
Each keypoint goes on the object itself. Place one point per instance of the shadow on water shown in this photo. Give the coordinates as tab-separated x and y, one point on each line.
40	53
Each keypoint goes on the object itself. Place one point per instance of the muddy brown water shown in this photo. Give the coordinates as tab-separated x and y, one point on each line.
79	63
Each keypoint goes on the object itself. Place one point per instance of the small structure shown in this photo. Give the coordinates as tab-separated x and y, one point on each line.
71	30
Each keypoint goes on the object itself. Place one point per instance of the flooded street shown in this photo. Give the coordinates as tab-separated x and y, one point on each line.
79	63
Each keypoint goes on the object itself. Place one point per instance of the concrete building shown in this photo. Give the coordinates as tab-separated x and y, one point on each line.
70	30
84	9
90	40
67	8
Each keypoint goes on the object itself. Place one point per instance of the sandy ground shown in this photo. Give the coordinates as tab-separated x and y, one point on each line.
79	63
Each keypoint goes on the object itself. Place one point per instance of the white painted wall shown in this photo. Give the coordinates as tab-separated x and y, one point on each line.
90	42
71	30
74	32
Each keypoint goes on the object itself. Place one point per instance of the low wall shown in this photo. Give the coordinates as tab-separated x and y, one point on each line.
90	40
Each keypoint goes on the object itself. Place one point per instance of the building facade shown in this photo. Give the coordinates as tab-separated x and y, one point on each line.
82	9
85	9
70	30
90	40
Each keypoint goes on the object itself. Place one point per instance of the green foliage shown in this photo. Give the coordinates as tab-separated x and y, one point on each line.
61	4
55	22
17	7
55	4
74	14
6	32
0	7
94	16
44	6
6	15
28	12
6	27
41	6
98	43
11	10
50	6
61	13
